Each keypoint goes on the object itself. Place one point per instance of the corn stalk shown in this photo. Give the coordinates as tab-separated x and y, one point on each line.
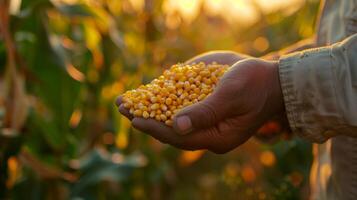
13	100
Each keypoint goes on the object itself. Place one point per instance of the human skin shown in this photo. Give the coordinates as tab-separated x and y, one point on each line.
248	95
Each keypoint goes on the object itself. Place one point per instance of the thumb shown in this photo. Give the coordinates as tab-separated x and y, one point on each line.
200	115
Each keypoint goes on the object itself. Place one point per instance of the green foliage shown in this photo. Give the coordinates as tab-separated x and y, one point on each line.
76	58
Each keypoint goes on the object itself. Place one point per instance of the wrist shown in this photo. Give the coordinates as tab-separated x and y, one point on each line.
276	94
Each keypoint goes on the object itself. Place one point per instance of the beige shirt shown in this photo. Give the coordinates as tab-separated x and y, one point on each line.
320	93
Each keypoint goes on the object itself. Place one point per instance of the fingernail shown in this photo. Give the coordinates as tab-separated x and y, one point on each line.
184	124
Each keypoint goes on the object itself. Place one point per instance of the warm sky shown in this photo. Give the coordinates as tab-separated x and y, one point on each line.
244	11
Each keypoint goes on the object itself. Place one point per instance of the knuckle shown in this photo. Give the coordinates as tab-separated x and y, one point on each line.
210	112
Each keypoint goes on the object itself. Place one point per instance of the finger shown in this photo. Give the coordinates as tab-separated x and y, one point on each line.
154	128
119	101
167	135
201	115
125	112
221	57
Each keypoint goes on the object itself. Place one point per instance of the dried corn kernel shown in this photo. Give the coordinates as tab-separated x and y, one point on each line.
138	113
180	86
146	114
169	122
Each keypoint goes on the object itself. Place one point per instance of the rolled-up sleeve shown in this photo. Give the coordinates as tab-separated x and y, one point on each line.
320	90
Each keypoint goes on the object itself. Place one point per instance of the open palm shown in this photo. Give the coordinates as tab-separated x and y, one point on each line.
246	96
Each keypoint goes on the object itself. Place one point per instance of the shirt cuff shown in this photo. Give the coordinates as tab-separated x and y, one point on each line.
305	79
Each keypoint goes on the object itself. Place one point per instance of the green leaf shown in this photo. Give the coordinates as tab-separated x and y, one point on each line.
97	168
80	10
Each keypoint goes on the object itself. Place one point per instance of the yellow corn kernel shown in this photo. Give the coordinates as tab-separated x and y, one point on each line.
204	73
168	113
169	122
197	91
172	96
152	114
146	114
202	96
193	87
135	100
163	107
207	81
184	95
193	96
168	101
178	87
143	108
138	113
183	79
180	91
187	85
155	106
172	108
161	100
153	99
178	76
171	88
214	79
163	117
146	102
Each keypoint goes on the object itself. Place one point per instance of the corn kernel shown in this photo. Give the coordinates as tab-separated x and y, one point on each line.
202	96
173	96
169	122
153	99
163	117
138	113
168	113
163	107
180	86
146	114
126	105
155	106
168	101
152	114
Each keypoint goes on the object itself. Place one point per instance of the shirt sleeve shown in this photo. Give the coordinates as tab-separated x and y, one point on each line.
320	90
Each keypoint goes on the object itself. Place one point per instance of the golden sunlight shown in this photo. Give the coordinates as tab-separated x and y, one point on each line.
188	9
244	12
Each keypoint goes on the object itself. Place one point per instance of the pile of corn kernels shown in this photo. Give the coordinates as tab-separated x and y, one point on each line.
180	86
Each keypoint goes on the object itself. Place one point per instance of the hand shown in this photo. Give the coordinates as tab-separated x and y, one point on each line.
272	129
221	57
247	95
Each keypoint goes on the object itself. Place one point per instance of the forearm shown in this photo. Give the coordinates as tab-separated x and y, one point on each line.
320	90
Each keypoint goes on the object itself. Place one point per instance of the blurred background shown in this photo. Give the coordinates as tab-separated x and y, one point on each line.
62	64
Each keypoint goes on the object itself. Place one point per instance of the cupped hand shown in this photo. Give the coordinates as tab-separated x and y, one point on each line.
247	96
